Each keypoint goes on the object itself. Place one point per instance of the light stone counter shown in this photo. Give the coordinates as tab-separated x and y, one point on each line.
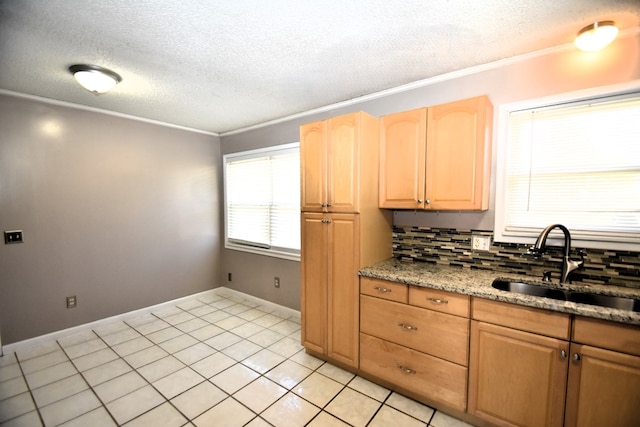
478	283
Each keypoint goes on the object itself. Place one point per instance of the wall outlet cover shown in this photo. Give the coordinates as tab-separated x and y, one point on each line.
13	236
481	243
72	302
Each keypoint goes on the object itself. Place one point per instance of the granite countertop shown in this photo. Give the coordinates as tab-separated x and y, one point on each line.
478	283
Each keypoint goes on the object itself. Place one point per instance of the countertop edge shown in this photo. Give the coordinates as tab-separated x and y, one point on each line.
476	282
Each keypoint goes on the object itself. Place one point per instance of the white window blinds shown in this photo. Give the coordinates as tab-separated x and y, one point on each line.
576	164
262	193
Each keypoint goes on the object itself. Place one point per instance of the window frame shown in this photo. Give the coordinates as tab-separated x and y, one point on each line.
529	236
292	255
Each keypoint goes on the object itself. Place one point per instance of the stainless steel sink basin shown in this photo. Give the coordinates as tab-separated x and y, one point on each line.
528	289
609	301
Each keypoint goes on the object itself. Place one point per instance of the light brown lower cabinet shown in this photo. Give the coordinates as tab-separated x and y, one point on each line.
330	285
510	365
423	351
516	378
436	379
522	378
604	384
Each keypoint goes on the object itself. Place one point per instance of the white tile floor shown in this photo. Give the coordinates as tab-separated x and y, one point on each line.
214	359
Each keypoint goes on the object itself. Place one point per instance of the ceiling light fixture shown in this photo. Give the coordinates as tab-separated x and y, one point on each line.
94	78
596	36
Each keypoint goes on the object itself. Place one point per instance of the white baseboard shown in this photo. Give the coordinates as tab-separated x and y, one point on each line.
26	345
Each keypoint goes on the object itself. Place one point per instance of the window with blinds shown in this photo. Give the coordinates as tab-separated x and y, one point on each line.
577	164
262	201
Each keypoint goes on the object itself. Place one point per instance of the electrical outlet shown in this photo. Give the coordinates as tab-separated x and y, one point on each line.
72	301
13	236
276	282
480	243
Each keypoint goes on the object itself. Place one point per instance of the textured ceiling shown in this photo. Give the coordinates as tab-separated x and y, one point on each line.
221	65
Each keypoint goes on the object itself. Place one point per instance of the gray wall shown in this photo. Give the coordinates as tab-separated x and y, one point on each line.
559	71
121	213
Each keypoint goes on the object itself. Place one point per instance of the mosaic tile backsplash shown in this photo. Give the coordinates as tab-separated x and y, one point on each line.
453	247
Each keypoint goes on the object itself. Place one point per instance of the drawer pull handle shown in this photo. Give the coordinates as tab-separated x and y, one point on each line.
406	370
379	289
407	327
437	300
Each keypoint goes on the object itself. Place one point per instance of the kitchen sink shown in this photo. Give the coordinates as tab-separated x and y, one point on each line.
609	301
528	289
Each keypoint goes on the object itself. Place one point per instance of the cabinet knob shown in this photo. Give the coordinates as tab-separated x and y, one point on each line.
407	327
420	200
576	357
323	205
383	290
437	300
406	370
427	201
563	354
329	205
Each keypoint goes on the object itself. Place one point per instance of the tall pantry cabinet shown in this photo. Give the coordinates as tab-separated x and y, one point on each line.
342	230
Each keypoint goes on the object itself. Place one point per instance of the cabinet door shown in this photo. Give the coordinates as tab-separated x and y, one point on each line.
516	378
458	160
604	388
313	166
343	307
402	159
314	281
343	163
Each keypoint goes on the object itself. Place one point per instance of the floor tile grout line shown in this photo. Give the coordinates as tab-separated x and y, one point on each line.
168	325
103	404
87	382
167	400
33	399
258	415
261	347
133	369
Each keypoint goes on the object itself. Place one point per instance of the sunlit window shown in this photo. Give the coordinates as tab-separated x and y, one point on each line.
577	164
262	201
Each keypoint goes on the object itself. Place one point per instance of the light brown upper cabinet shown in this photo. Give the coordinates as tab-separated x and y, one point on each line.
333	160
437	158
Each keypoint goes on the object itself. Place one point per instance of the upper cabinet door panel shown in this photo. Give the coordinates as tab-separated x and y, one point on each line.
313	166
402	159
343	163
458	160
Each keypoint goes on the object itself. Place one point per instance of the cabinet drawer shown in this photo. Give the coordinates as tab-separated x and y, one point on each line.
610	335
413	371
438	334
434	299
528	319
392	291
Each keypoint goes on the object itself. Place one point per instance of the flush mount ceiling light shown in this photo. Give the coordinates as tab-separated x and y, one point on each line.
94	78
596	36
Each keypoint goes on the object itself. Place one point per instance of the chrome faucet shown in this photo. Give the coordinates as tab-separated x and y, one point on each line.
568	265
